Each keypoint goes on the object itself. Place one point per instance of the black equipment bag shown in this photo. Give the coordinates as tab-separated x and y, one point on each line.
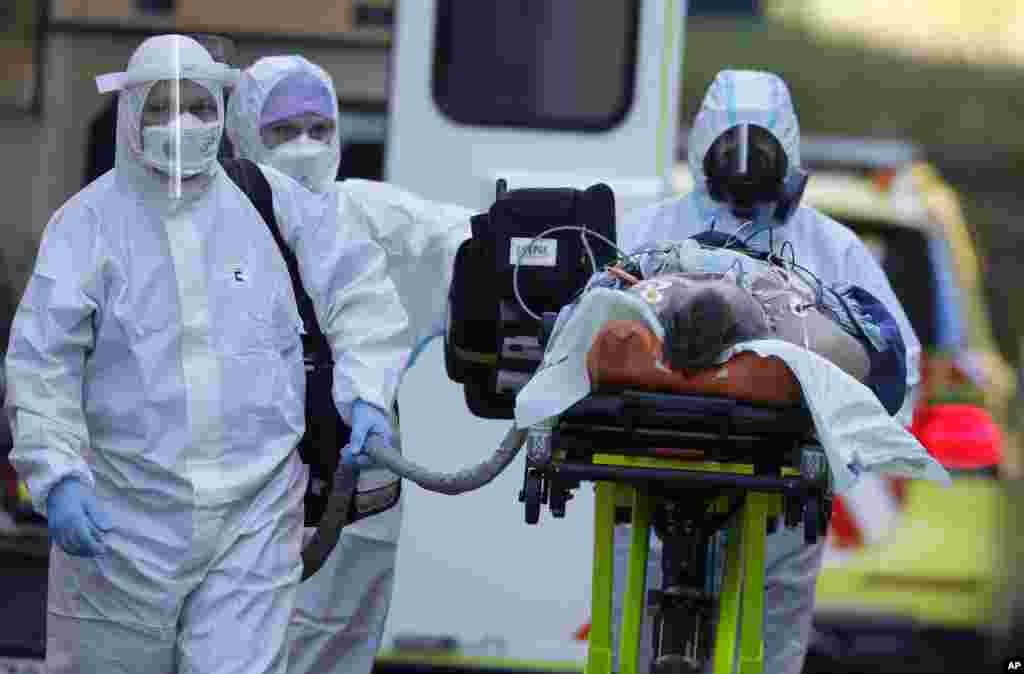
484	312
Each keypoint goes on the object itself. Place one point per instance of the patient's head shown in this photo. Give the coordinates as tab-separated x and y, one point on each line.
703	318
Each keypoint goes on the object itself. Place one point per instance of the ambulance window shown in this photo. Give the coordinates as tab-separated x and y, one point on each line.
546	65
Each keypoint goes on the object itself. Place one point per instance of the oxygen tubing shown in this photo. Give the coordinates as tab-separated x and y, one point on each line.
460	482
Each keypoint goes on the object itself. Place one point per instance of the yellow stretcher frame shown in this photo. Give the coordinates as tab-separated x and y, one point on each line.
738	640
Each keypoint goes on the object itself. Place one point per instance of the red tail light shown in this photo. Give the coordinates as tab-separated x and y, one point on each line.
846	533
8	480
959	436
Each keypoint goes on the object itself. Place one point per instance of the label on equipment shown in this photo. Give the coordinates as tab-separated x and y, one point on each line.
534	252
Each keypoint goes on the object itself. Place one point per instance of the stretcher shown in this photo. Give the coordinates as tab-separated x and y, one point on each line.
711	473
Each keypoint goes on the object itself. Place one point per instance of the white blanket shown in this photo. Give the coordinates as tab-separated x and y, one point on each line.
856	432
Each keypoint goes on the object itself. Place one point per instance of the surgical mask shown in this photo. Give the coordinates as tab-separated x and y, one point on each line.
198	142
310	162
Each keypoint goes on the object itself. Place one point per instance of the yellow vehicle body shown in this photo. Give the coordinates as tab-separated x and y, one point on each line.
940	565
943	563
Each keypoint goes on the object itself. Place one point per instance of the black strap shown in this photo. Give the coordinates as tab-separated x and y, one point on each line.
250	179
326	432
716	239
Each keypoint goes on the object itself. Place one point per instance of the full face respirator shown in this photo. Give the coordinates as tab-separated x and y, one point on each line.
499	318
747	169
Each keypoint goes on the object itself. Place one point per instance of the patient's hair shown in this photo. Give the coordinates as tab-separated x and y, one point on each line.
701	325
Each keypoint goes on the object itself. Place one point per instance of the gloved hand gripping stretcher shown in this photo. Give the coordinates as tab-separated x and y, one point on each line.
338	510
724	390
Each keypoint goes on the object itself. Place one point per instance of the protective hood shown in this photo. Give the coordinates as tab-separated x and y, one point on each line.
741	97
164	57
245	115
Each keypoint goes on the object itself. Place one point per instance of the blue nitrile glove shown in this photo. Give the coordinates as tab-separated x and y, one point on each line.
76	522
367	419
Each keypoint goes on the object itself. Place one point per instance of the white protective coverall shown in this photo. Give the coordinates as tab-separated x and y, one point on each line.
341	611
832	252
156	356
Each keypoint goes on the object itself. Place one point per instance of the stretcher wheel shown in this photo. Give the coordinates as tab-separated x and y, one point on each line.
794	511
532	496
812	520
558	496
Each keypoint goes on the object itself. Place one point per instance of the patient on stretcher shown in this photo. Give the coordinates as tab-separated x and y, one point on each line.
708	300
687	318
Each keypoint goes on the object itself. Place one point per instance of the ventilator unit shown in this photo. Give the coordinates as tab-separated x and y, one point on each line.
495	335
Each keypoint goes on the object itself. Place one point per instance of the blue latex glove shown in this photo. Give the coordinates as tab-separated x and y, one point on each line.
367	419
76	522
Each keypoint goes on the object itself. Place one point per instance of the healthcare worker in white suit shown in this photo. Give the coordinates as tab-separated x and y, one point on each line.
156	386
284	113
746	135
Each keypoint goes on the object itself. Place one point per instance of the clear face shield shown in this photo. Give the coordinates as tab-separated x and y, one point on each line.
745	167
174	121
748	170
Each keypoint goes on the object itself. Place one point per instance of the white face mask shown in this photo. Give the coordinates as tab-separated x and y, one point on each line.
310	162
199	142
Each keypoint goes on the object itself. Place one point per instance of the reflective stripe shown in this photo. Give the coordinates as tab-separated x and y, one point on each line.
730	93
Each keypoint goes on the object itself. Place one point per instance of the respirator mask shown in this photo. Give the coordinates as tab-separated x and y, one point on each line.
187	142
309	161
